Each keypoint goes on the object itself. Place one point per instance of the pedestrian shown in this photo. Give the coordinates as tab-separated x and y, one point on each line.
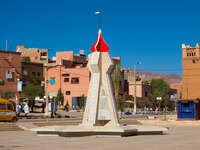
43	106
18	109
26	109
66	107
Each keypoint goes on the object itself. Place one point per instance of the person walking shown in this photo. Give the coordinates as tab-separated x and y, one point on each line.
26	109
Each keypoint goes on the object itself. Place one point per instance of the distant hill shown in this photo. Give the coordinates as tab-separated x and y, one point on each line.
169	78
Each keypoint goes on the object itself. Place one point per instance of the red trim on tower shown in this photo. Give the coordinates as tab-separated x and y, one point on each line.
100	45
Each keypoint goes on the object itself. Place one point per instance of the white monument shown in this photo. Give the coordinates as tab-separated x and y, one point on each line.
100	105
100	116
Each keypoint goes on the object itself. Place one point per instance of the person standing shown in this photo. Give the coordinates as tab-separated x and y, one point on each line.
26	109
18	109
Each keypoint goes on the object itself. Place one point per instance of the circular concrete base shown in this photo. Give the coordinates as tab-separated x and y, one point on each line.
78	131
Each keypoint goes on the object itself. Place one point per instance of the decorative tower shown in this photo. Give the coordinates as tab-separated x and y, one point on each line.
100	106
191	71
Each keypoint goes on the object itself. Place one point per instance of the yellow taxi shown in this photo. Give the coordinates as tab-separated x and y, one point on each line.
7	111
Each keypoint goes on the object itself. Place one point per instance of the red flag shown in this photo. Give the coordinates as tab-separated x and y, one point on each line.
100	45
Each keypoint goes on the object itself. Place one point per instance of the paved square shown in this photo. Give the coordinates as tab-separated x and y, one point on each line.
179	138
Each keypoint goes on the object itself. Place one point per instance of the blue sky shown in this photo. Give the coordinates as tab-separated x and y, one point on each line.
150	31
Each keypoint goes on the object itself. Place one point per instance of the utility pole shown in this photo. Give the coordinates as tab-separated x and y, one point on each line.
135	102
6	46
135	87
159	99
46	92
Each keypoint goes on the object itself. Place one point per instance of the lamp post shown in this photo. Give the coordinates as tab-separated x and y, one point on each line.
99	14
135	96
159	99
46	92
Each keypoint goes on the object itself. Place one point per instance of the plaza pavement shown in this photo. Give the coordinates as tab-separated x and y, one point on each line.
182	135
179	138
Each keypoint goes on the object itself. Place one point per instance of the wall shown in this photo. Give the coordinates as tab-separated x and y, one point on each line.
12	61
76	90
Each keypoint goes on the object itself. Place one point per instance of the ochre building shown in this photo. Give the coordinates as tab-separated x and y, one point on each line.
191	72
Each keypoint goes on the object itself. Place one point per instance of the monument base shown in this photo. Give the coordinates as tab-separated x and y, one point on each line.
79	131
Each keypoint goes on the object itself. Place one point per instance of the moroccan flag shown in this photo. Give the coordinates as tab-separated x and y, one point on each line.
100	45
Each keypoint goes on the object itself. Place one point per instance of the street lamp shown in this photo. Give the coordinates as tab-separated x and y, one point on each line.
99	14
159	99
135	97
46	92
52	106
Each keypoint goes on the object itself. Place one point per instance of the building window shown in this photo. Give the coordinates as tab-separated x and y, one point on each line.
75	81
25	73
38	73
33	73
2	106
67	93
1	81
10	107
42	59
66	79
44	54
9	74
65	75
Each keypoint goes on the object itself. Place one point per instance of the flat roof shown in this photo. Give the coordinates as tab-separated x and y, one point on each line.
12	52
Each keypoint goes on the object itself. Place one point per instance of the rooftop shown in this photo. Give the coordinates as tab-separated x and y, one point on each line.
12	52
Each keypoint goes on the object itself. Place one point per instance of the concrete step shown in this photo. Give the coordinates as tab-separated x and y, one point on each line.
9	127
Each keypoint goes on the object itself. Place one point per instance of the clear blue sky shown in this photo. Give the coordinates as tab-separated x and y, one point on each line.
150	31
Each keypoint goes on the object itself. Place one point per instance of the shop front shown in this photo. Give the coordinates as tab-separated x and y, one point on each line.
188	109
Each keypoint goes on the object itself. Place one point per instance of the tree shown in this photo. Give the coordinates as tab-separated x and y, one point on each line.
26	59
116	82
7	94
33	90
144	103
159	88
60	97
122	102
81	103
36	81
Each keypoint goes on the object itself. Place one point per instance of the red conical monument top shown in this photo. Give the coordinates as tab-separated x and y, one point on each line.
100	45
